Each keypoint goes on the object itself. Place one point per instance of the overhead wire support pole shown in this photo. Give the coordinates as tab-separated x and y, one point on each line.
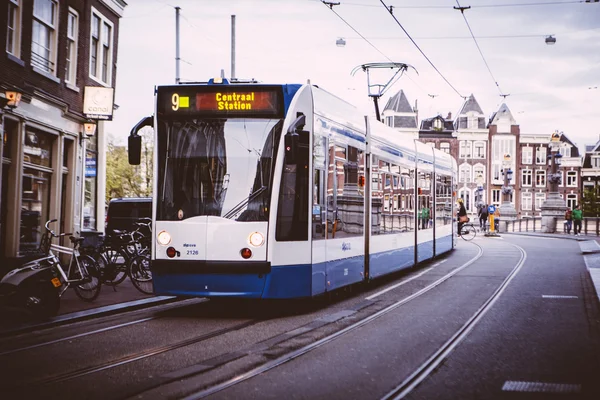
177	58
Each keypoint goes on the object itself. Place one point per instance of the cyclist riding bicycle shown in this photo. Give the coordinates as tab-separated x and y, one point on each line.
462	215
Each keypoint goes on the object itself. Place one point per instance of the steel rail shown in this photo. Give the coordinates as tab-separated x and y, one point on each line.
128	358
440	355
306	349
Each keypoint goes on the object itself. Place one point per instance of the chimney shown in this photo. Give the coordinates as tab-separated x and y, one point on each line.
449	117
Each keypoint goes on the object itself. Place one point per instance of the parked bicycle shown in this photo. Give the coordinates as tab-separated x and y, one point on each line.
126	253
38	284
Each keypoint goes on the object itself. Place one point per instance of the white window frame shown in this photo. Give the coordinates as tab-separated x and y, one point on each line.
595	159
538	158
97	74
542	181
465	150
13	42
571	200
52	28
72	44
445	147
478	169
540	197
571	178
565	150
526	201
496	197
465	173
437	124
527	155
527	178
477	145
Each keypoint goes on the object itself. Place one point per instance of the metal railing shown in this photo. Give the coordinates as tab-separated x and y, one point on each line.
590	226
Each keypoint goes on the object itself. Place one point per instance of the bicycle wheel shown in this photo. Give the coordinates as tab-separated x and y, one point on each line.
89	289
113	267
468	232
140	274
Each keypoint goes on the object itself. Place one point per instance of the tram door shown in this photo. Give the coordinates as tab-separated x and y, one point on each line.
319	222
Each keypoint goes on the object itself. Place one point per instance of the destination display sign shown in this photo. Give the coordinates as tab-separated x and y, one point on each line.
220	100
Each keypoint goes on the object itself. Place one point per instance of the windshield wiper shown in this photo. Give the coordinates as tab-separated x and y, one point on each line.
235	210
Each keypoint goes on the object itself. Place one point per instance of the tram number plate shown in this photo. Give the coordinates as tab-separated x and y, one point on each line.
56	282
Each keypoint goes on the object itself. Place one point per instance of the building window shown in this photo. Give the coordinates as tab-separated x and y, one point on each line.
526	177
465	174
101	44
540	197
465	149
565	150
35	192
595	161
527	155
540	178
43	42
571	201
445	147
13	29
437	124
91	183
389	121
526	201
540	155
479	170
72	34
479	150
572	178
496	196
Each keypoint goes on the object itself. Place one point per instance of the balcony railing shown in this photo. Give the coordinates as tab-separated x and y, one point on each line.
42	63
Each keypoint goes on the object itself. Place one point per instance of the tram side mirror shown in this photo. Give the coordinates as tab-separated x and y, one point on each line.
134	144
134	149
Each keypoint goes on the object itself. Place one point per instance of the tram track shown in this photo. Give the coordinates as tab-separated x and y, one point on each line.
128	358
208	391
230	356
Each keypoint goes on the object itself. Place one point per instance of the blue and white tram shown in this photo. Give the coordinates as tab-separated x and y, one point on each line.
286	191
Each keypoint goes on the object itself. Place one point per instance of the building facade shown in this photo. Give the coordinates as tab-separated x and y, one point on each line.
485	149
51	167
472	160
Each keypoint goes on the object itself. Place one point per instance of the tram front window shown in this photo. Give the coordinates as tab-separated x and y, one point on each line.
218	167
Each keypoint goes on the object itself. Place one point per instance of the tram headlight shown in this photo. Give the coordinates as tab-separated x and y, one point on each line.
163	238
256	239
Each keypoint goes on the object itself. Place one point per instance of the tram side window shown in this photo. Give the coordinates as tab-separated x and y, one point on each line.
292	210
345	191
443	200
425	211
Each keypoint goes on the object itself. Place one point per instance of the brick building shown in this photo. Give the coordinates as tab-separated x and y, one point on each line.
479	145
51	169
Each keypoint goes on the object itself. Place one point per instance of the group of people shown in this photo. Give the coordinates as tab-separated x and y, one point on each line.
482	214
573	219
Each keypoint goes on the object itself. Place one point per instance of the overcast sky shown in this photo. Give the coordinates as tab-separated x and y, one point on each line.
291	41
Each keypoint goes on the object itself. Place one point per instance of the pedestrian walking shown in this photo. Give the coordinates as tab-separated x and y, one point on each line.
577	216
462	215
483	216
568	220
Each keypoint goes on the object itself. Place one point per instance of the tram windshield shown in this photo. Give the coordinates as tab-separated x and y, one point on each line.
218	167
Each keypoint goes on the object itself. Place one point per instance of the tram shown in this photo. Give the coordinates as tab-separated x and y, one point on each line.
286	191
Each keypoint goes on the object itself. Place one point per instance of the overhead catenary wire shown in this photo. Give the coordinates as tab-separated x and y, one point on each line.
418	48
475	6
462	12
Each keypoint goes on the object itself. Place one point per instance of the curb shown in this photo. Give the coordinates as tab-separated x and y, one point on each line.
88	314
